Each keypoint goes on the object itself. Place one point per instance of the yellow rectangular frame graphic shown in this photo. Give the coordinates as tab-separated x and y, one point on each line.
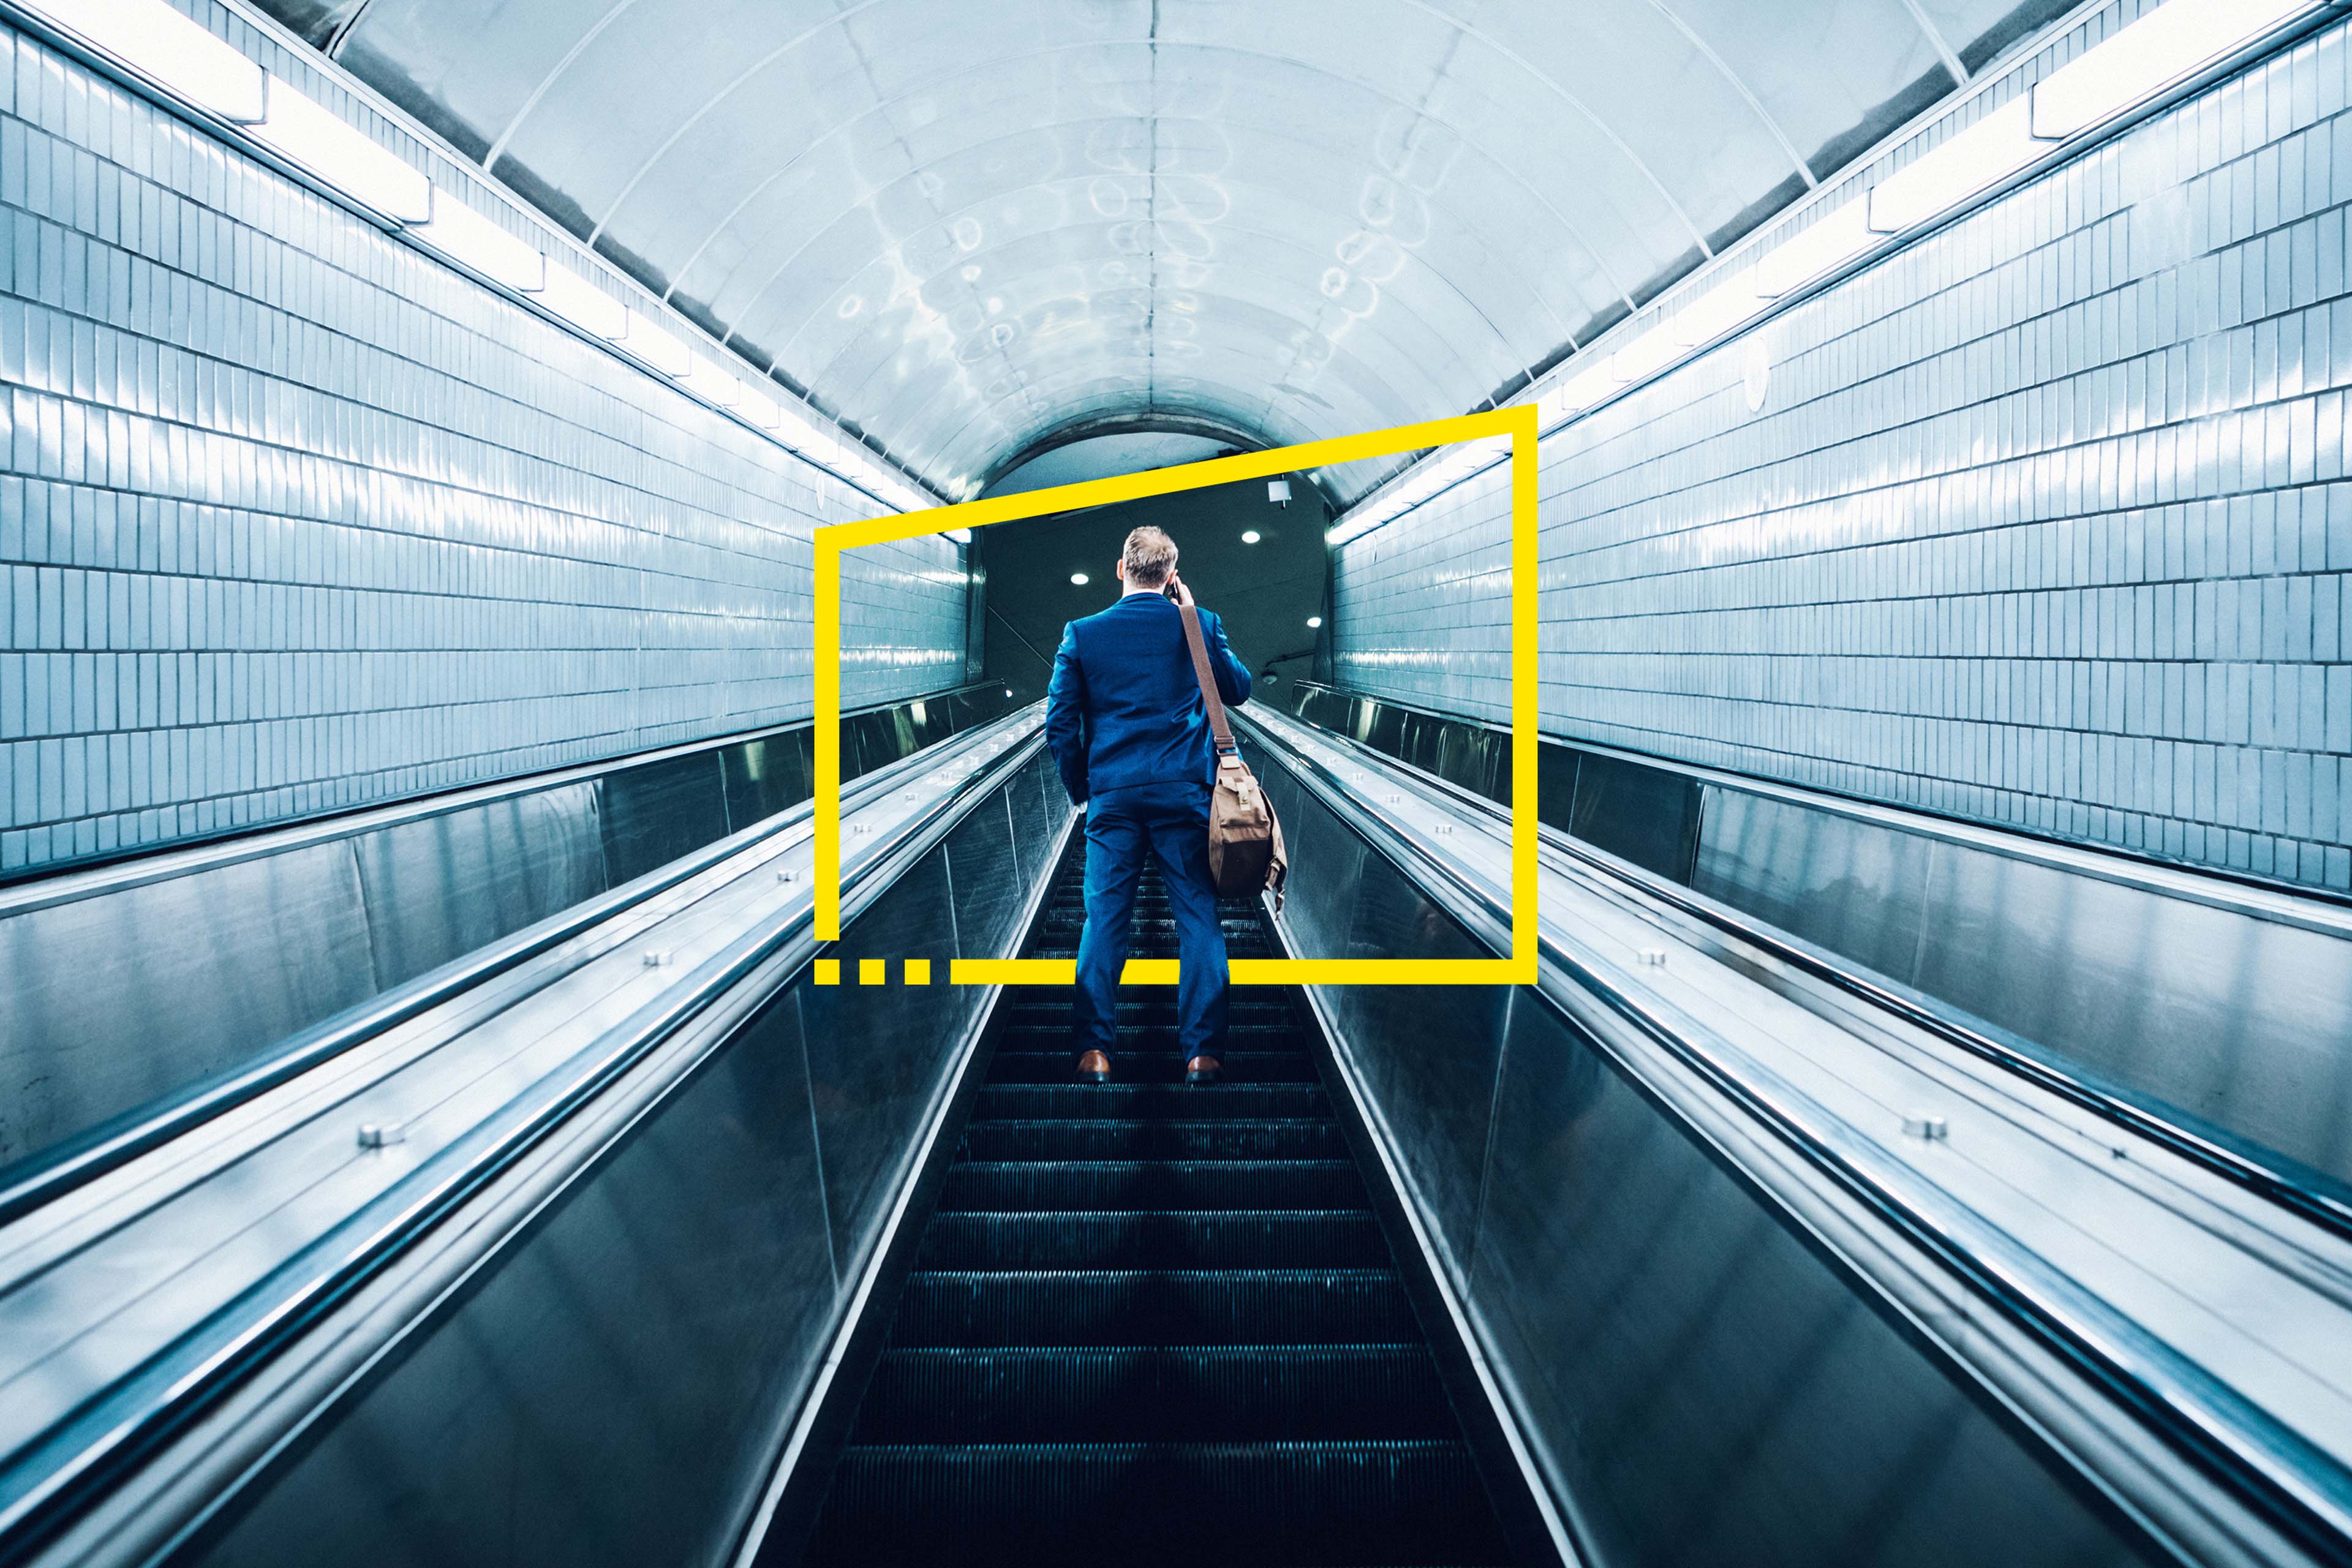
1518	423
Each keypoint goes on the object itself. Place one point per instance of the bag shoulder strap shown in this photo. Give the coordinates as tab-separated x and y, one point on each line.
1221	730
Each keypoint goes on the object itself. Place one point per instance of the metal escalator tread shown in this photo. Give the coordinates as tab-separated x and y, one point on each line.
1154	1323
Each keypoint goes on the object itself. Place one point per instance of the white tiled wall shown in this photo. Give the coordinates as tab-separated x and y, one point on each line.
2044	522
295	518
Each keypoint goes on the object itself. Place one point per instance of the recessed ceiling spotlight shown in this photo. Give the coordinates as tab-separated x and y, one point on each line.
1077	579
1250	536
1313	620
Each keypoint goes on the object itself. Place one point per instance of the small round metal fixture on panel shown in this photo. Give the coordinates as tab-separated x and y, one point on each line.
1654	956
1924	1124
375	1136
785	876
656	958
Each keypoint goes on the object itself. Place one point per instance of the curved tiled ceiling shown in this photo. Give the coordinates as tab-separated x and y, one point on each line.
966	229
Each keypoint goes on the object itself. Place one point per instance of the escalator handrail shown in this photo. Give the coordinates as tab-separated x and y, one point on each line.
2309	1194
113	1432
50	1176
2296	1486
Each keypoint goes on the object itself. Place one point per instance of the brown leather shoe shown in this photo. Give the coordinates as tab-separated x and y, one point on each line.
1094	1068
1203	1069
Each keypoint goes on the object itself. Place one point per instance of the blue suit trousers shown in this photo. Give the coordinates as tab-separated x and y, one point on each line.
1172	822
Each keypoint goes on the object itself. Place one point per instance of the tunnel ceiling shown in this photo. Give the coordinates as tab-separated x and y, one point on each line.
963	227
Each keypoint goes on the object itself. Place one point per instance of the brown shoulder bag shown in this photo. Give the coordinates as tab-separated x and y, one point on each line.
1244	840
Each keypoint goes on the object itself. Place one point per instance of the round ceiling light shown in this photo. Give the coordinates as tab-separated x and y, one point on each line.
1313	620
1077	579
1249	536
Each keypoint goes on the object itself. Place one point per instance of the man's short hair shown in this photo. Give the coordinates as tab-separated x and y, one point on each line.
1149	557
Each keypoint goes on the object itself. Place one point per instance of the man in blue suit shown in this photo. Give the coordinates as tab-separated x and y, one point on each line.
1124	720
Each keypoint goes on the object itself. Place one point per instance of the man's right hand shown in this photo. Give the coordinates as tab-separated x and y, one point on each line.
1182	595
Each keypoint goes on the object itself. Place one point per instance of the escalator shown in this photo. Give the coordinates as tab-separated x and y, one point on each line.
1149	1322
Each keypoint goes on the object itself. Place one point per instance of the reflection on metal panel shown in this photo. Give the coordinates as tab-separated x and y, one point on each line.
440	887
655	812
2241	1022
874	1050
1644	814
605	1396
114	1002
2207	1010
617	1385
768	775
1854	889
1696	1382
1440	1099
229	975
1705	1387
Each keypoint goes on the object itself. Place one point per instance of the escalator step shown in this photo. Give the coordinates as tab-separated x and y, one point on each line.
1152	1322
1156	1101
1137	1307
1155	1393
1153	1183
1228	1138
1236	1238
1305	1503
1138	1061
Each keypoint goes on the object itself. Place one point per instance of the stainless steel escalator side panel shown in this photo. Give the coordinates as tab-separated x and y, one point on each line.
1526	1262
613	1385
2178	1002
2196	997
451	1103
1674	1354
447	885
114	1002
138	982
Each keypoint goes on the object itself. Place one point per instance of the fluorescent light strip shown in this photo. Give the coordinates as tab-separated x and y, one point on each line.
656	346
2162	46
583	304
1959	167
1834	239
173	51
471	239
178	56
343	155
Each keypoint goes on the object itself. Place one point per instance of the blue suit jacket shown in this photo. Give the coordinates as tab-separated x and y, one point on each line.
1124	709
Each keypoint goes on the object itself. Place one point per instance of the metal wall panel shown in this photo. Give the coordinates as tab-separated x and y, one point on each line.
299	518
2241	1022
1856	889
438	888
113	1003
2043	521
